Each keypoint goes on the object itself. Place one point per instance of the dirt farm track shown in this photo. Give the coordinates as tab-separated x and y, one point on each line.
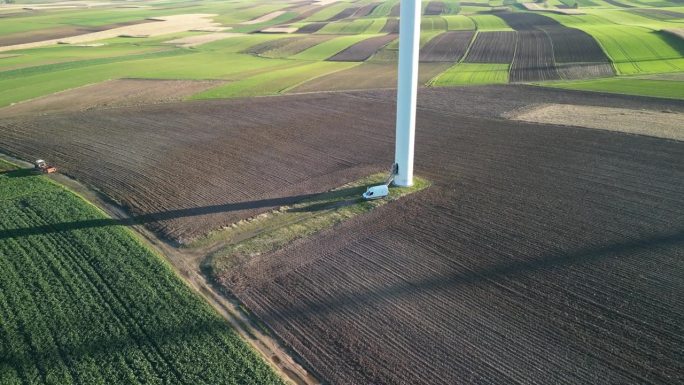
541	253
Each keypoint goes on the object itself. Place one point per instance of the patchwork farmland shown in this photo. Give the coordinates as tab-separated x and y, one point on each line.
205	225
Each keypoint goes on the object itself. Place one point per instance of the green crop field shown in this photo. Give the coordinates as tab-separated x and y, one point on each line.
82	301
274	82
469	73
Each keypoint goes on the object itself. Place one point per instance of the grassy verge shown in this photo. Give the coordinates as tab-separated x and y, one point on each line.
271	231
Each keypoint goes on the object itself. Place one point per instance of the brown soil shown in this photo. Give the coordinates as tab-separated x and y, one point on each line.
542	43
643	122
434	8
493	47
538	249
113	93
446	47
245	156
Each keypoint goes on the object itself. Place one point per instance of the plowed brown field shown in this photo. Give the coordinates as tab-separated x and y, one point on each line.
245	155
541	254
446	47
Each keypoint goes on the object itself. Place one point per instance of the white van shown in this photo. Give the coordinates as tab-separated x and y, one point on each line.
376	192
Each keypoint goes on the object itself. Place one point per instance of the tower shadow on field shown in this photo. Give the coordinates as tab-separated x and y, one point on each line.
269	203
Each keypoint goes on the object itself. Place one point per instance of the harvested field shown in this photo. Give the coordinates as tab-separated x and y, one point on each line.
246	156
642	122
446	47
157	26
109	94
345	13
533	58
493	47
537	250
312	27
391	26
264	18
197	40
394	12
363	49
434	8
368	76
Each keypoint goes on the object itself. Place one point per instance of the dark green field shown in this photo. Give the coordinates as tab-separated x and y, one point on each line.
83	302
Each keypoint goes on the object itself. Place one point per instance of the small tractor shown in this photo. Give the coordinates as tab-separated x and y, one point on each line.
43	167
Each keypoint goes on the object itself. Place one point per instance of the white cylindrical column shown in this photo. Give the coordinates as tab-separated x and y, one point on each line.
407	88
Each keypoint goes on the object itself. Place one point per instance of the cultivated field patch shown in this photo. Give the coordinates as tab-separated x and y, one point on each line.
158	26
368	75
469	73
533	58
493	47
446	47
643	122
434	8
377	299
84	302
363	49
109	94
264	18
197	40
245	156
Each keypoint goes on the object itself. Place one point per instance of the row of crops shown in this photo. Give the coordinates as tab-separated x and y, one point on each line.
84	302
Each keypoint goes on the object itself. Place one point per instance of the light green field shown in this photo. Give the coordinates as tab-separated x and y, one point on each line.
353	27
632	41
472	73
459	22
627	85
176	64
274	82
489	23
433	23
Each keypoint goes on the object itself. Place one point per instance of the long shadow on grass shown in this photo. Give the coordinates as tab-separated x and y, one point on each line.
183	213
448	282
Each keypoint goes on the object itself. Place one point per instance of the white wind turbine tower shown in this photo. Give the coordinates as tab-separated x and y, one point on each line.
407	88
